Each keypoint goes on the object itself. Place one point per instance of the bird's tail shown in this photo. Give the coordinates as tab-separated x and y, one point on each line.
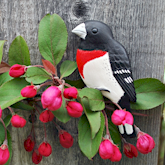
126	130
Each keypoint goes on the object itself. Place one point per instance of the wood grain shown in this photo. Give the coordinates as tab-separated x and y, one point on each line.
138	25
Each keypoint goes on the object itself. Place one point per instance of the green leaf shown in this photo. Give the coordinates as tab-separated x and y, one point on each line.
52	38
93	117
7	120
95	97
150	93
5	77
10	147
22	106
61	114
2	133
19	52
1	48
76	83
88	145
36	75
10	92
114	133
67	68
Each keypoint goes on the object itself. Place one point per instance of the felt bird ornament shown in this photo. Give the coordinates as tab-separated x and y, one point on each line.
103	64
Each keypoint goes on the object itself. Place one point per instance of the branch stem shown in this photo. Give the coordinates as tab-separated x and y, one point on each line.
47	83
109	108
68	85
40	66
45	138
12	112
57	126
117	105
106	124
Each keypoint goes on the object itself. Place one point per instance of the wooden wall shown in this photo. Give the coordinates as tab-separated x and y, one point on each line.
137	24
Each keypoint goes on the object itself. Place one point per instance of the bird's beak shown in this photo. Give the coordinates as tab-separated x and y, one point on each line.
80	30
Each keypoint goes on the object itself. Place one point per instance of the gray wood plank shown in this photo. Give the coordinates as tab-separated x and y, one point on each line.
138	25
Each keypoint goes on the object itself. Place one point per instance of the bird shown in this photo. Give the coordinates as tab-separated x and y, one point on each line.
103	64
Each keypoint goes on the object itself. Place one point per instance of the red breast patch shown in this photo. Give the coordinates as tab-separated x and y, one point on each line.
83	56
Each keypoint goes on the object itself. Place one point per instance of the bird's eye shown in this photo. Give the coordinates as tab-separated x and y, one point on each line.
94	30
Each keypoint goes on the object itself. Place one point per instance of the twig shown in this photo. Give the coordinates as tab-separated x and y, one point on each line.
106	124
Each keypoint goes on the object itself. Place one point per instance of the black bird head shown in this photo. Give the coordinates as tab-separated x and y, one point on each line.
93	34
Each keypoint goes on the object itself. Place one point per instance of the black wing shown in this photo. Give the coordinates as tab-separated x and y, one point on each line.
121	68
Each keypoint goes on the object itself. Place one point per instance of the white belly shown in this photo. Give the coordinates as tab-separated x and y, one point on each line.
98	74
